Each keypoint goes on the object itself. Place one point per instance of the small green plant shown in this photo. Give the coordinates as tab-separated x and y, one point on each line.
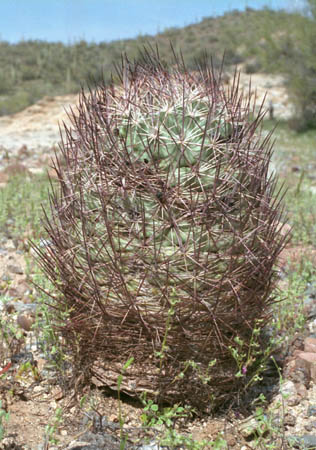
252	356
21	205
11	336
123	435
165	419
268	429
4	417
290	318
52	427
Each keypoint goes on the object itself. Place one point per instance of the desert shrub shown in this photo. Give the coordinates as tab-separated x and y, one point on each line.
163	235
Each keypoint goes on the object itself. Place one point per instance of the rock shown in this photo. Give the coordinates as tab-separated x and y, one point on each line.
37	170
9	443
307	361
301	390
25	307
81	445
37	389
288	388
307	441
248	427
15	269
23	289
231	440
22	358
25	321
97	441
10	308
310	345
289	420
57	393
5	277
151	446
293	400
311	410
312	326
310	426
10	245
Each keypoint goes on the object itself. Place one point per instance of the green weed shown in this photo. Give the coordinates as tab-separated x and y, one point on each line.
52	427
4	417
21	203
164	421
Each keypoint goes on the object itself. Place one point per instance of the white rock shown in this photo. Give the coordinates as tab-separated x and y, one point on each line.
288	388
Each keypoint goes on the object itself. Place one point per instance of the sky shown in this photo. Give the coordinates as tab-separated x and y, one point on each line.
106	20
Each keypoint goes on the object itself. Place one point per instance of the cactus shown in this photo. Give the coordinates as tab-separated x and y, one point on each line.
164	234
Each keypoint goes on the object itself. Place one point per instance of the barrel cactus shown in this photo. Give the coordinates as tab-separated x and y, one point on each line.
164	232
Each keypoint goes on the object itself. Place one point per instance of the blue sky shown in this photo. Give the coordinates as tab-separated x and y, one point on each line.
106	20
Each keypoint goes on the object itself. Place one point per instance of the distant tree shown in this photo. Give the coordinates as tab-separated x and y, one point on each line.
311	6
299	64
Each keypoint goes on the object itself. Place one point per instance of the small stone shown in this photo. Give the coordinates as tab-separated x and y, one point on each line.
310	426
307	441
301	376
310	345
10	308
5	277
58	393
150	446
311	410
12	292
248	427
293	400
23	289
301	390
64	432
288	388
15	269
289	420
277	421
76	445
312	326
37	389
10	245
8	442
231	440
113	418
25	321
307	361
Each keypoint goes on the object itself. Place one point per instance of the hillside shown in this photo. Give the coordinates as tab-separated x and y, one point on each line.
32	69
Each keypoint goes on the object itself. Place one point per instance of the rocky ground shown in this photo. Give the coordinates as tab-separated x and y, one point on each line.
29	389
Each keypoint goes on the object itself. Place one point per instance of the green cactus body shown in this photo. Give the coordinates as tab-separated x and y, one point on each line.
167	217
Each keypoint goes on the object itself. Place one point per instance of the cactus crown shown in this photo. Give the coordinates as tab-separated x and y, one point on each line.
165	230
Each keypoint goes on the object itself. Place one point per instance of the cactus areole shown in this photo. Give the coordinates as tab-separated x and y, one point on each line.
164	234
